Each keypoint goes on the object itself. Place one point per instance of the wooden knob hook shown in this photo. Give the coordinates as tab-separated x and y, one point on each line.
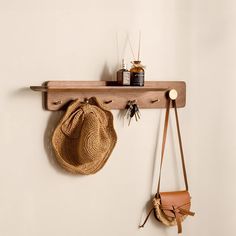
173	94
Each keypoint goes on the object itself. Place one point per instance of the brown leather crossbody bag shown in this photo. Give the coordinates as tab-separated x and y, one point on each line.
171	208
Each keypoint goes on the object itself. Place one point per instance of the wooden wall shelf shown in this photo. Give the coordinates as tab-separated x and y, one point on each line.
57	94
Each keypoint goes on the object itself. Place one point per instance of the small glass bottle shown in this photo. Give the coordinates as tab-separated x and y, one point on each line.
137	74
123	75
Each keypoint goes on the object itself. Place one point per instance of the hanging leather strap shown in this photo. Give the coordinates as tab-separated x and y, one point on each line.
164	143
180	145
178	211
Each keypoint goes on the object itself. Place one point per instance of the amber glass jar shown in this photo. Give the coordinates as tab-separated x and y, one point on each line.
137	74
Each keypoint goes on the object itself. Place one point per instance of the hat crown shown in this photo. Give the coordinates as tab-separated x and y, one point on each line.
95	140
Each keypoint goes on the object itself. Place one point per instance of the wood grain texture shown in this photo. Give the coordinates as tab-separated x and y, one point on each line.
57	94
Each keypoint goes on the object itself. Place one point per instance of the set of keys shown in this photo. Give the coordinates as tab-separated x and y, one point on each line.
132	110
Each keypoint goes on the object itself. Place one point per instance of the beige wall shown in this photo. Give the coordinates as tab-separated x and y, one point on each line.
211	112
76	40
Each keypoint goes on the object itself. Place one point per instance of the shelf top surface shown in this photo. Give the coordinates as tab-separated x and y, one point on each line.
103	86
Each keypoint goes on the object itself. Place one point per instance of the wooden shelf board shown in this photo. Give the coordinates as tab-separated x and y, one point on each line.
57	94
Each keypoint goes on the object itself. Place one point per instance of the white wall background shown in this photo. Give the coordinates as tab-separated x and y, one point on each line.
76	40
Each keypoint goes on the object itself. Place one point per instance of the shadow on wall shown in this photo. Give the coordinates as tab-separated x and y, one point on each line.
108	74
155	155
25	94
53	121
153	182
175	153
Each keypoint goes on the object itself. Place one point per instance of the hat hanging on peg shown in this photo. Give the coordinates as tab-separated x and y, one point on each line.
173	94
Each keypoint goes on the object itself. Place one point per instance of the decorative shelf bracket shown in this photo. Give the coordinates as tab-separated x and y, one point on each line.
57	94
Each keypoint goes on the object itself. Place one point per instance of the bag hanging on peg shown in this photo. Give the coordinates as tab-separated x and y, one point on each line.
171	208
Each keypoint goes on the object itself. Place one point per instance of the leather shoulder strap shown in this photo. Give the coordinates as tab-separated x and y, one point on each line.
164	143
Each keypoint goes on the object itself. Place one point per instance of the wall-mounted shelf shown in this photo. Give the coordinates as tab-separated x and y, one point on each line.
153	95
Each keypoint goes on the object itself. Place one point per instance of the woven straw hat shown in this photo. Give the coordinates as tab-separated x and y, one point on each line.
85	137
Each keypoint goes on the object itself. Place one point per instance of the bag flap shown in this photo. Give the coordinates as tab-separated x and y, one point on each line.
178	200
